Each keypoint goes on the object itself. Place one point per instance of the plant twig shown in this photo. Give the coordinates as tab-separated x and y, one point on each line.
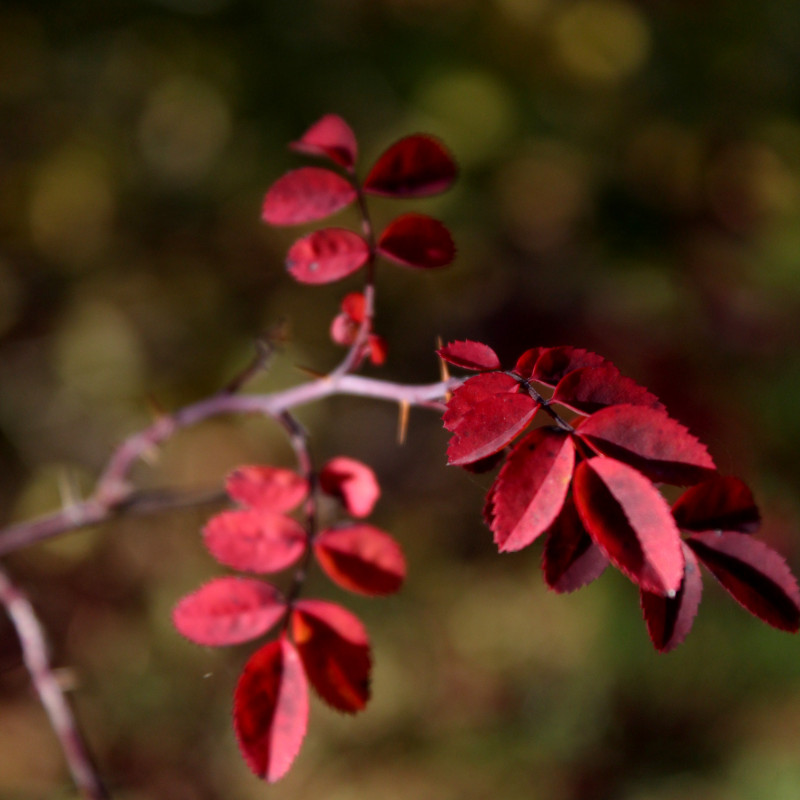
37	660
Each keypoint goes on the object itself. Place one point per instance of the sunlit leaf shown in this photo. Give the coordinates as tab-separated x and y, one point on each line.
326	256
330	137
271	488
353	482
305	195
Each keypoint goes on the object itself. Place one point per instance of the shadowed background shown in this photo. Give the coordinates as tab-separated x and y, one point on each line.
630	184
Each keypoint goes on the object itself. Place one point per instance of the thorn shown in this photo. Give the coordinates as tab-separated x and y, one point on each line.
444	370
67	489
404	409
154	407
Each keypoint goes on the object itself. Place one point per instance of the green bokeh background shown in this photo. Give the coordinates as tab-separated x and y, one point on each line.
630	184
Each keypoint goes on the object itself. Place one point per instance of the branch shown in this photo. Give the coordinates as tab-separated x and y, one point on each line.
37	661
113	494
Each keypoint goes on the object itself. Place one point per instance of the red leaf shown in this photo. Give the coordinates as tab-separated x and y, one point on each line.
270	488
415	166
305	195
326	256
330	137
556	362
228	611
530	490
334	648
378	349
527	361
361	558
631	522
416	240
669	619
754	575
720	503
270	709
489	426
354	305
571	559
650	440
254	540
589	389
353	482
343	330
474	391
472	355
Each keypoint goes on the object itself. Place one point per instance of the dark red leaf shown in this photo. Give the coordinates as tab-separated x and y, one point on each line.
651	441
754	575
527	361
353	482
254	540
474	391
631	522
361	558
330	137
334	648
271	488
556	362
720	503
489	426
415	166
416	240
472	355
305	195
228	611
589	389
530	490
669	619
571	559
270	709
326	256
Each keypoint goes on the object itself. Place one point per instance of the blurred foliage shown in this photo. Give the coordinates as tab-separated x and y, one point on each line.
631	184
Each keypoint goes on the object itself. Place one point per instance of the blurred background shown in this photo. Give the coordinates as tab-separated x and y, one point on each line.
630	184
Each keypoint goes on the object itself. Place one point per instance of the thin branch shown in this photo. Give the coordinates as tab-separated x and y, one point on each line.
37	661
113	493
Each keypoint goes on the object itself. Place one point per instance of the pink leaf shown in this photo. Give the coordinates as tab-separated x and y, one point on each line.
589	389
472	355
669	619
489	426
530	490
631	522
416	240
254	540
270	709
415	166
330	137
305	195
326	256
527	361
271	488
754	575
334	648
720	503
361	558
475	390
353	482
571	559
650	440
556	362
228	611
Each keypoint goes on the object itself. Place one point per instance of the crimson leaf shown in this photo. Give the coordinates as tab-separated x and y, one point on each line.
326	256
650	440
416	240
476	389
571	559
631	522
669	619
414	166
334	648
754	575
228	611
305	195
330	137
531	487
720	503
270	709
554	363
361	558
353	482
588	389
472	355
